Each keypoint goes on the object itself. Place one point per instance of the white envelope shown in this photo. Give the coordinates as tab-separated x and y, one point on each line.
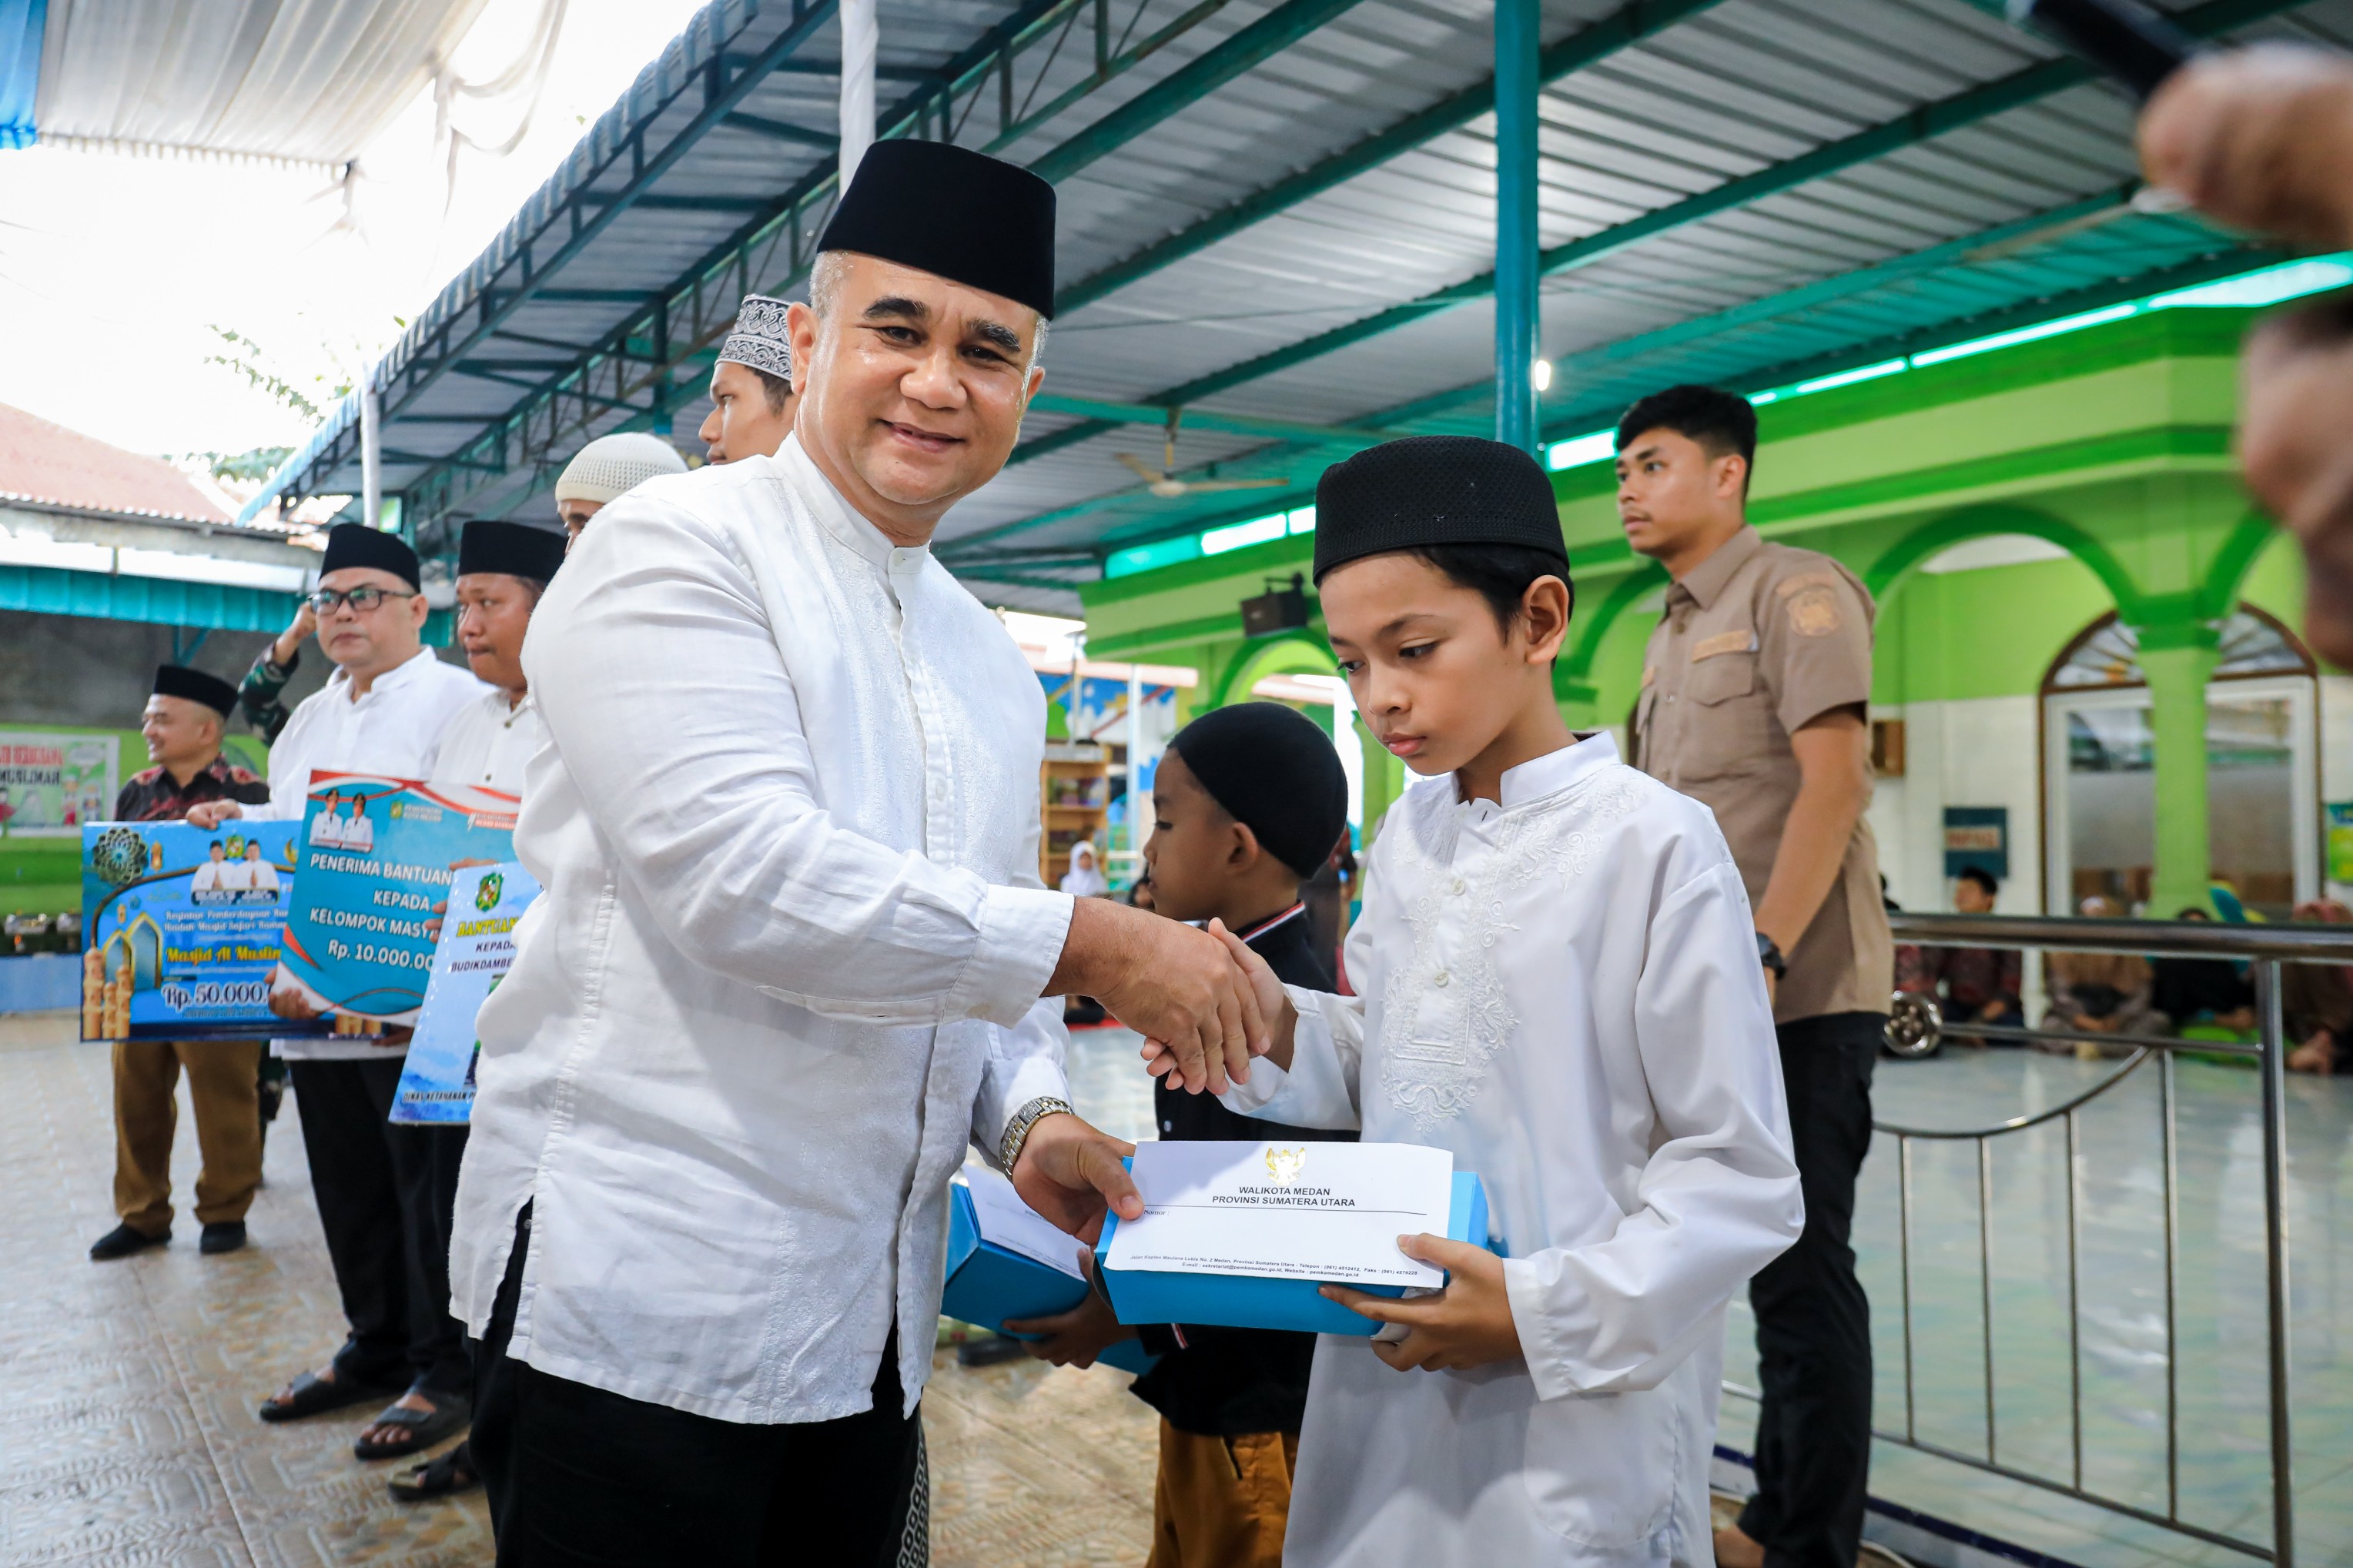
1329	1212
1005	1221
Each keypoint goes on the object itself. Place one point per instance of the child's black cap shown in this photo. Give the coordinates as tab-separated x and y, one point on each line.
1274	772
1433	489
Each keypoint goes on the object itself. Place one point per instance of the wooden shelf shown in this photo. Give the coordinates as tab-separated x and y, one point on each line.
1063	823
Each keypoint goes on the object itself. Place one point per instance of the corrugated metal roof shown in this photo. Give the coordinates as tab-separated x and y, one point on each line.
1700	159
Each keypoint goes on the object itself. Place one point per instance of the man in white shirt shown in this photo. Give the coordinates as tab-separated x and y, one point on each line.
207	879
503	570
260	876
382	711
790	957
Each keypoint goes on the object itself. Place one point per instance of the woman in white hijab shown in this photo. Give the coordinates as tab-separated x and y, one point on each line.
1084	880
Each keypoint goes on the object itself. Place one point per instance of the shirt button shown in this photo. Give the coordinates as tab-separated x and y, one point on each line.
1459	885
1439	979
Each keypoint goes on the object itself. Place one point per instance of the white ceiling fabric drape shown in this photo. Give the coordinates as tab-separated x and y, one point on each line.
310	80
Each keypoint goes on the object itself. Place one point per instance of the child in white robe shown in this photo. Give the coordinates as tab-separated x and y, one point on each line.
1560	984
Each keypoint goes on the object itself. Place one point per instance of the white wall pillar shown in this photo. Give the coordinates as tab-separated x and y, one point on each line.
862	37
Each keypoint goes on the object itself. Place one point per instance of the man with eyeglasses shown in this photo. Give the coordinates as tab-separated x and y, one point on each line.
382	711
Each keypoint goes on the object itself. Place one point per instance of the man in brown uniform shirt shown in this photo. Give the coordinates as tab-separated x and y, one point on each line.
1753	701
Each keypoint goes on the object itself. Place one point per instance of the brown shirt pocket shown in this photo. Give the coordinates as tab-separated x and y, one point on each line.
1725	731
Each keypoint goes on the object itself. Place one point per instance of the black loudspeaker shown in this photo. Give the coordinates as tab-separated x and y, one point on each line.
1279	609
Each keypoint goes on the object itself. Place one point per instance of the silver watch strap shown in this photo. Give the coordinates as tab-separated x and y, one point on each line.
1017	1131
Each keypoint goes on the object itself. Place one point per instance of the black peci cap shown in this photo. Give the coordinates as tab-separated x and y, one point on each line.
517	549
196	686
351	544
968	217
1433	489
1274	772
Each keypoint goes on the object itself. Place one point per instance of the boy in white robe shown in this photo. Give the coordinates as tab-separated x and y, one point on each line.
1560	984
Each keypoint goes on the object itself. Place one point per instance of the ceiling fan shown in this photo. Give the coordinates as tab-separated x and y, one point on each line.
1165	483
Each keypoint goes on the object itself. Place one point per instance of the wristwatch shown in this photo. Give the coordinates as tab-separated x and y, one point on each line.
1017	1131
1769	954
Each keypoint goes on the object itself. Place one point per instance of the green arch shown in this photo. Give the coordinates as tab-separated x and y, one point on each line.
1933	538
1298	652
1593	626
2217	595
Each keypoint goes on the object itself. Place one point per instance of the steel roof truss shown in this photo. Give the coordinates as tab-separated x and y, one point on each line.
1916	126
706	306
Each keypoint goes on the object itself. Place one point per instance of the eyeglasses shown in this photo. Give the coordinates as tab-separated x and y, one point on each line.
362	599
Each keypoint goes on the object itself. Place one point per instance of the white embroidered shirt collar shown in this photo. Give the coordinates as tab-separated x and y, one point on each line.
1552	773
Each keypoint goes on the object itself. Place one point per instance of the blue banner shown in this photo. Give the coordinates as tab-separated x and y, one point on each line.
377	856
477	946
181	929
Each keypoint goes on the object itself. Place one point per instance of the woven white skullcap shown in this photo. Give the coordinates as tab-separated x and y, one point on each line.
611	466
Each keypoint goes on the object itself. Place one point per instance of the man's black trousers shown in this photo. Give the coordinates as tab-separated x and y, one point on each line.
385	1195
577	1476
1813	1322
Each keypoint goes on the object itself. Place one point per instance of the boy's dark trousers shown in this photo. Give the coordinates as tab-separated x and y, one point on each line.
1813	1322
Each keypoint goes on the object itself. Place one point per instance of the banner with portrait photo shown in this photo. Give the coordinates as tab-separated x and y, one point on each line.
377	855
181	929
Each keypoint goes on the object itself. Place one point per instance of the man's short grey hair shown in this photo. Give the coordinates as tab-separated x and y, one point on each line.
825	286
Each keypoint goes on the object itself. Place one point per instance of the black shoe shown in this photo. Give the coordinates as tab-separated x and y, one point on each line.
990	1349
452	1472
122	1241
222	1236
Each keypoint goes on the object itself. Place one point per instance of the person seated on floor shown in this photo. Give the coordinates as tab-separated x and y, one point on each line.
2317	1001
1978	985
1246	805
2097	993
2211	993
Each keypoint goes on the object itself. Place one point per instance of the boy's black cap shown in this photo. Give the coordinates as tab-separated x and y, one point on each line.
1433	489
1274	772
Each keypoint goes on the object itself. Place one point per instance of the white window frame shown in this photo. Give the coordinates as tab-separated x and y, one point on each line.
2303	774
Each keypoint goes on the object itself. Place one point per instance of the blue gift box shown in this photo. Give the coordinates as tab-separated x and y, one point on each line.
1248	1301
986	1284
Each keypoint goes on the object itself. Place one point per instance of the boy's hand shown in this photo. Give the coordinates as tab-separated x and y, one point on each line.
1467	1325
1076	1337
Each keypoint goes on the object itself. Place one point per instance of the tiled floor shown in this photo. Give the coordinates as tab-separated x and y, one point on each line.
2223	1446
127	1432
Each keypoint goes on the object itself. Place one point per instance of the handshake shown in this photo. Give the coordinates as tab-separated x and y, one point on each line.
1204	1002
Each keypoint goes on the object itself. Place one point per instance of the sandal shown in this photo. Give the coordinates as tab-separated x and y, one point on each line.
315	1395
452	1472
420	1429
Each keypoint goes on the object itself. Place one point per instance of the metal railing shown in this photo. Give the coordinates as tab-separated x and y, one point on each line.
2265	949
